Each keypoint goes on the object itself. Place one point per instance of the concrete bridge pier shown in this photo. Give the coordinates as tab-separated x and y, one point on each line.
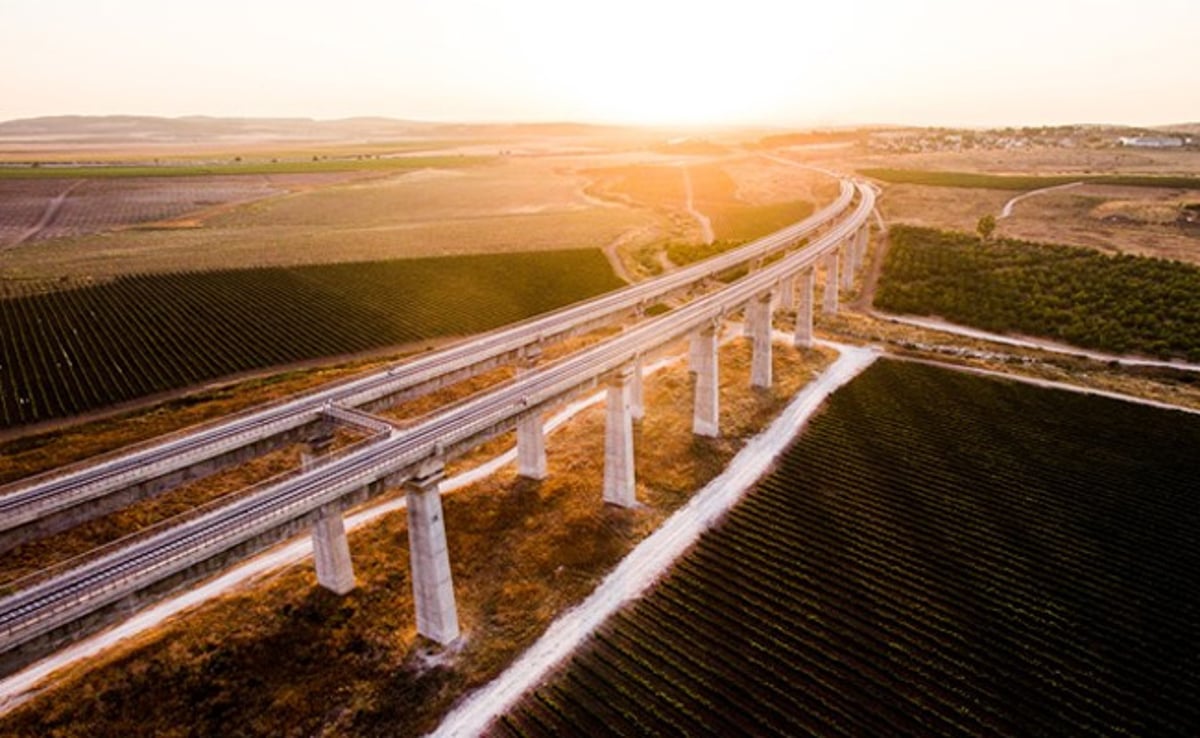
331	551
637	390
787	293
531	438
331	548
830	305
706	411
531	447
861	242
620	486
429	558
760	363
848	263
804	310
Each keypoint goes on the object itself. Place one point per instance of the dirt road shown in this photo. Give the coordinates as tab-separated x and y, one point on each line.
48	215
1008	206
706	229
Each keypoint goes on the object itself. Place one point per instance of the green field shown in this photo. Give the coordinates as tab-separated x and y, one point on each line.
938	554
1117	303
296	166
70	351
977	180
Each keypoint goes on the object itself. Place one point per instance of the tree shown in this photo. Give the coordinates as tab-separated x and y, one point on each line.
986	226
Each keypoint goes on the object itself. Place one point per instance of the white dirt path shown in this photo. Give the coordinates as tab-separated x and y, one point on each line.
48	216
1033	343
706	229
646	563
1008	206
1049	384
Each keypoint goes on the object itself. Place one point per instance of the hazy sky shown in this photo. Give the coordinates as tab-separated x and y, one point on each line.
791	62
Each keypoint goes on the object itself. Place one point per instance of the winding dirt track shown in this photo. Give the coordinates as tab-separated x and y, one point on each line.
1008	206
48	215
706	229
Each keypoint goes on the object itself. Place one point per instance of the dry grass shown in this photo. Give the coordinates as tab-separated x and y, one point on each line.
941	207
1131	220
287	658
1042	161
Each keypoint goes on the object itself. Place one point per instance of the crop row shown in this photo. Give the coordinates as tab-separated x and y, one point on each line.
938	554
74	350
1118	303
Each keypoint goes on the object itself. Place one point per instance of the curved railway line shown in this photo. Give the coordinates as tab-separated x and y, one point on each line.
71	595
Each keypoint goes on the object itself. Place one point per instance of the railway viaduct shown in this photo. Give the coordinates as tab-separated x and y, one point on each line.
67	601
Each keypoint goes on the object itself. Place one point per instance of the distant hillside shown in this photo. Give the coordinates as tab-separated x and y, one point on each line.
99	129
1190	129
191	129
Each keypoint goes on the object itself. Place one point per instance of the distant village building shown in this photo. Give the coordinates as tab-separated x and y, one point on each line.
1154	142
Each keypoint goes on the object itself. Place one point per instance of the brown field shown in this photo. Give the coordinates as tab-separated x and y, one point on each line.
515	205
1139	220
1041	161
1133	220
622	202
99	205
740	195
941	207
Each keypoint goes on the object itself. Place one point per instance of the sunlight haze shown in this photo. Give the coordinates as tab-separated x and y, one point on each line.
931	62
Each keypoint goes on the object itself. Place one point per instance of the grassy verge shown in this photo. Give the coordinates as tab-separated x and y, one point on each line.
287	658
977	180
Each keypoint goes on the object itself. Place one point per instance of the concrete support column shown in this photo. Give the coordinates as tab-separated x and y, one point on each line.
804	310
848	264
831	283
619	483
429	558
695	346
531	439
706	413
760	364
637	390
787	293
331	548
331	551
531	447
864	237
855	253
